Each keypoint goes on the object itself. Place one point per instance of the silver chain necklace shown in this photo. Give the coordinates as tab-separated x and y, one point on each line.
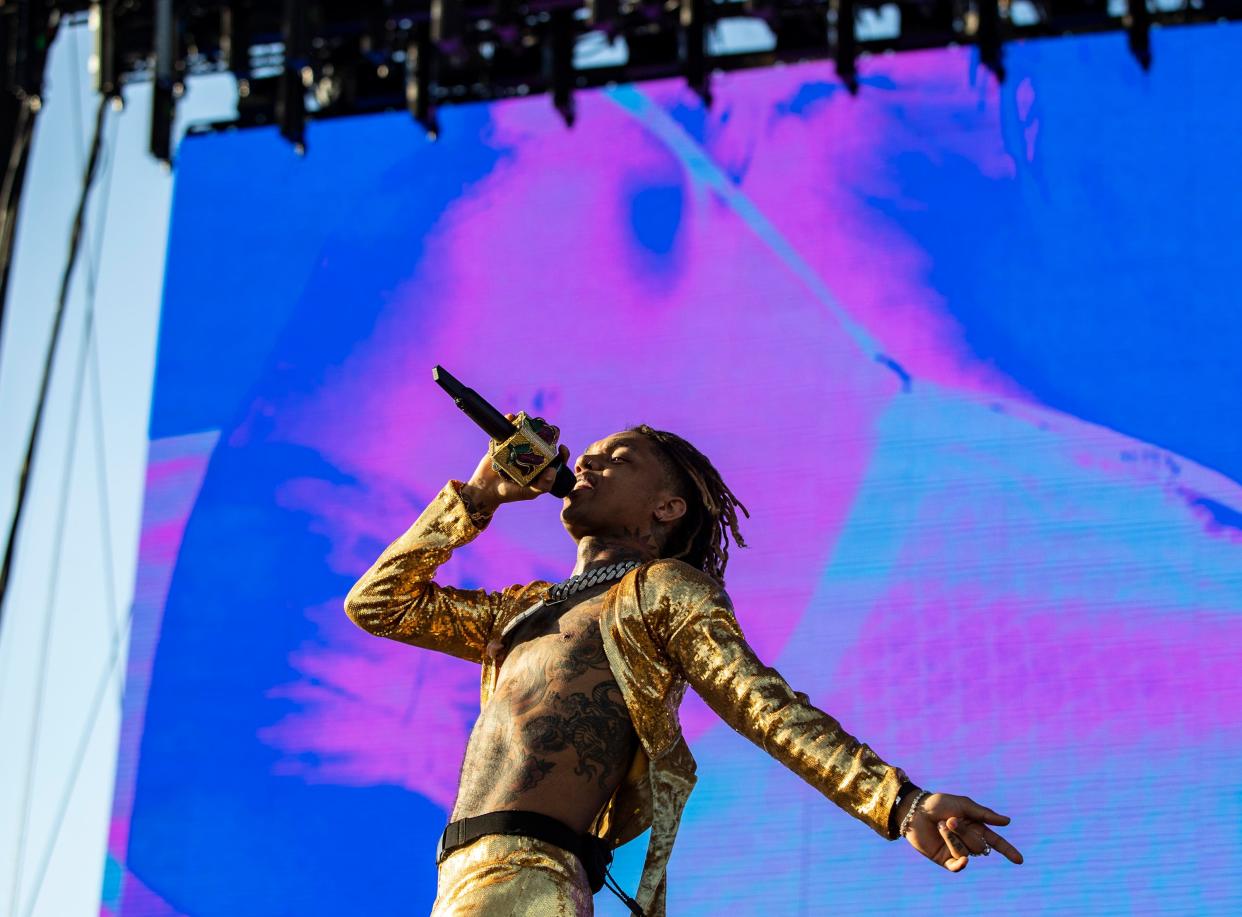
571	586
579	581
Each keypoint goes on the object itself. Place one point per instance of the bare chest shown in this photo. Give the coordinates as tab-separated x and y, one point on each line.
555	736
554	650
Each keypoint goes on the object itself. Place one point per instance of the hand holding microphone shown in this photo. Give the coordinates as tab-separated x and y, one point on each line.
523	458
488	488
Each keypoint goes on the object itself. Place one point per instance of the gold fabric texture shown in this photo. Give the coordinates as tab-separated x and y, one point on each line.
665	625
502	875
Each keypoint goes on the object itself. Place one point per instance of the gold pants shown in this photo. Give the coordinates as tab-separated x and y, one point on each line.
504	875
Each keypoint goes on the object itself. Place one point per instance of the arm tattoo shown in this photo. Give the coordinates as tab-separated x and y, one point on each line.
479	518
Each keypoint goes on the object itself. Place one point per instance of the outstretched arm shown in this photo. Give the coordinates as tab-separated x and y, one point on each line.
756	701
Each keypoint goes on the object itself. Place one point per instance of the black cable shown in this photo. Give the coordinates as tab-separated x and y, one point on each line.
23	484
26	43
615	887
117	631
23	487
11	190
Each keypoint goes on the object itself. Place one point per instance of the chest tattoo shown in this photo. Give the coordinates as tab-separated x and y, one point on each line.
595	726
566	709
585	655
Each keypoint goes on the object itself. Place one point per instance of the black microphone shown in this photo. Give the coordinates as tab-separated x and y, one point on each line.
500	429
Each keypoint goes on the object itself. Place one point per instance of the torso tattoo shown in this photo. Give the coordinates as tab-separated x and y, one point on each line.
556	735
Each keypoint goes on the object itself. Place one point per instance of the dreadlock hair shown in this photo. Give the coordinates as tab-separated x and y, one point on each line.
701	536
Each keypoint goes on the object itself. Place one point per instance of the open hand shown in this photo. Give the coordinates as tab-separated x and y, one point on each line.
947	829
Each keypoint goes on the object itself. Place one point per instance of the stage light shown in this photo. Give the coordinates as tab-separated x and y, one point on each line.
843	38
1024	13
104	64
235	40
291	96
991	48
448	24
692	47
1138	31
419	72
559	62
164	90
365	58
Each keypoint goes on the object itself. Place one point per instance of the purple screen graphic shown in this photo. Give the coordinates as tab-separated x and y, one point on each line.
968	355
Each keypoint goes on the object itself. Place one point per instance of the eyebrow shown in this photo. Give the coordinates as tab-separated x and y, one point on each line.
634	447
620	444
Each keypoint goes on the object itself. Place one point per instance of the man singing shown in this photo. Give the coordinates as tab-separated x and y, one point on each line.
577	748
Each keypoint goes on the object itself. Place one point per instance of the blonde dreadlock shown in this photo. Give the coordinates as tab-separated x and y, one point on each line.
701	538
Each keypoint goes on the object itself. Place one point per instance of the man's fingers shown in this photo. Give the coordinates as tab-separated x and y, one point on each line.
975	833
970	836
957	849
550	432
543	483
1009	851
983	813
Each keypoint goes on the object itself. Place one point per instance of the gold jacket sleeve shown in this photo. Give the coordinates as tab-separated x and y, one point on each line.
756	701
397	599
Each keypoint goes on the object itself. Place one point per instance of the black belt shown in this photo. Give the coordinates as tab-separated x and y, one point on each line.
594	854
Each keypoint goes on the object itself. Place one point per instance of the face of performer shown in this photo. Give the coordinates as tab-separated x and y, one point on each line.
624	491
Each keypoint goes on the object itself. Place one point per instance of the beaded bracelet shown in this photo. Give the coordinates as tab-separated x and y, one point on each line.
905	822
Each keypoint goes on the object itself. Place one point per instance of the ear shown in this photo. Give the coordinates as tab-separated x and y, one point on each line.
670	509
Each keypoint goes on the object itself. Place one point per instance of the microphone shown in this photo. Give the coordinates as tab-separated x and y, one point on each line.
518	449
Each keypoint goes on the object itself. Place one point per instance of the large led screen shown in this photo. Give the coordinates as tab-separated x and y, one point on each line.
969	354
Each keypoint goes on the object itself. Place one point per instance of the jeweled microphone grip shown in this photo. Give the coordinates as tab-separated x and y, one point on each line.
501	430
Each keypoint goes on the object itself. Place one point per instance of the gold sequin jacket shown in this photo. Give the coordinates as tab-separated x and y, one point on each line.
664	625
